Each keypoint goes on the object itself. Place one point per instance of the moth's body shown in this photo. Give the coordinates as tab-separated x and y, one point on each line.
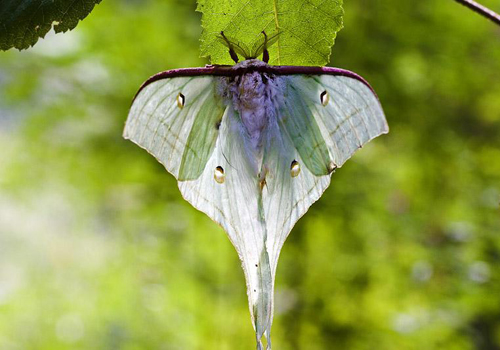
255	95
253	146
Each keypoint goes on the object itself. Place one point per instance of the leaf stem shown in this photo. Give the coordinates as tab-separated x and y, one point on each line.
480	9
277	25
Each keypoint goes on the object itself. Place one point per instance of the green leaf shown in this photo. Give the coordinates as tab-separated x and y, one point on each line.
307	28
23	22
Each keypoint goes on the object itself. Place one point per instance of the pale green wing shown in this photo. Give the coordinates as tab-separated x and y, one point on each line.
298	123
176	120
308	139
320	132
201	141
328	117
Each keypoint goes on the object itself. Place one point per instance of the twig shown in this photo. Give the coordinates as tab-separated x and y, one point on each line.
482	10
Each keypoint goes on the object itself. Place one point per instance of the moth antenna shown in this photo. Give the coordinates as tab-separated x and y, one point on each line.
265	53
232	53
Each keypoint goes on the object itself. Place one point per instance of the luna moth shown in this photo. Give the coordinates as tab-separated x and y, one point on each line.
253	146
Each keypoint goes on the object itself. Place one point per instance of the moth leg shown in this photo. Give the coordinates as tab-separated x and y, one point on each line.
262	178
232	53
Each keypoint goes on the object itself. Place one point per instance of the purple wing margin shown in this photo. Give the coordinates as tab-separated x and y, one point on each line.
231	71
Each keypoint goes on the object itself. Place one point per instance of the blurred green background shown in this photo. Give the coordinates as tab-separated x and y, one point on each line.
99	251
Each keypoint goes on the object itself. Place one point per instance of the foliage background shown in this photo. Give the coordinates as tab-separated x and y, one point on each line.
99	251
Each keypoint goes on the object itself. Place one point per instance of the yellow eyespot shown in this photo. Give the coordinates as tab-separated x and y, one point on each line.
219	175
331	167
294	168
324	98
180	100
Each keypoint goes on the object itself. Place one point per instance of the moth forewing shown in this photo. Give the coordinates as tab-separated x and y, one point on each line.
175	120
